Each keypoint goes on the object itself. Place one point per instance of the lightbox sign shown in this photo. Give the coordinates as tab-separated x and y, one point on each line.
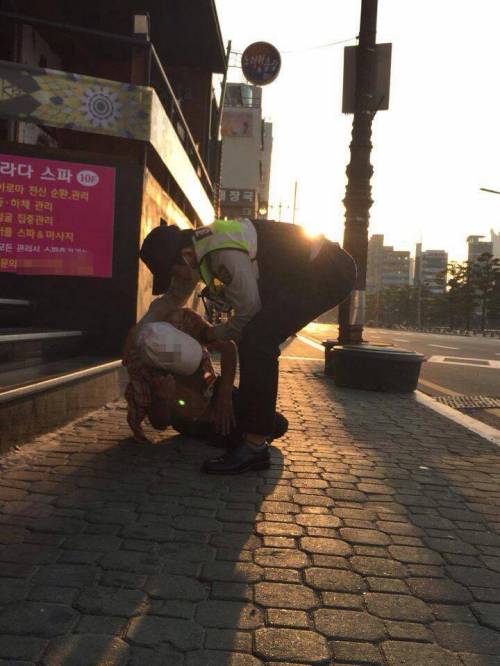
261	63
56	218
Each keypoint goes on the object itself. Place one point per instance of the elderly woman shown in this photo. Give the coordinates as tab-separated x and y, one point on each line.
173	381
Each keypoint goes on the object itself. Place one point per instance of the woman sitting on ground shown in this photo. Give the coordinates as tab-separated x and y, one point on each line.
173	381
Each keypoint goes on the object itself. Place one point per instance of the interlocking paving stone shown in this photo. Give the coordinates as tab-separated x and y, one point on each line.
101	624
165	586
377	566
467	637
228	639
362	653
65	575
415	555
334	580
487	614
349	625
275	595
413	654
155	657
281	557
397	607
217	658
475	577
287	618
279	529
229	614
342	600
377	524
439	590
325	546
387	585
451	545
410	631
85	650
111	601
315	520
479	660
31	649
182	634
223	571
295	644
369	537
37	619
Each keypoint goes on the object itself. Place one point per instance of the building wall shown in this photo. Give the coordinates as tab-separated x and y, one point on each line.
156	204
267	148
477	247
246	150
395	268
433	270
495	244
386	267
241	150
193	87
104	307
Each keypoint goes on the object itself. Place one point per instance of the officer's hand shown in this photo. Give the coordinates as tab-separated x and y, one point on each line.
224	415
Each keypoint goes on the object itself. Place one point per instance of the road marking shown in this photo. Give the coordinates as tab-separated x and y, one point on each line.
481	429
468	362
311	343
301	358
437	387
444	347
400	340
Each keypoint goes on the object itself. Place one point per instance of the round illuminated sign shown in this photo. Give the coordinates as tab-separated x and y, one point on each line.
261	63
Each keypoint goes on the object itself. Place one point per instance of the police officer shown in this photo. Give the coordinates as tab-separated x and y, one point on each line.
276	279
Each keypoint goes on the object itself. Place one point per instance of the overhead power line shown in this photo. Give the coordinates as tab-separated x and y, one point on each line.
309	48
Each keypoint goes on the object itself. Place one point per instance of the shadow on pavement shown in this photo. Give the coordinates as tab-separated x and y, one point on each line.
419	499
119	553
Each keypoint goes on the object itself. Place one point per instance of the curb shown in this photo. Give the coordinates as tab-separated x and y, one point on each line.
482	429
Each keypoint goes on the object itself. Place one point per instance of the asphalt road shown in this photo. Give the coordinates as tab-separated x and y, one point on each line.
455	364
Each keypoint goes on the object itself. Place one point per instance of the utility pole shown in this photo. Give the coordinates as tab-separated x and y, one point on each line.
218	166
359	171
294	200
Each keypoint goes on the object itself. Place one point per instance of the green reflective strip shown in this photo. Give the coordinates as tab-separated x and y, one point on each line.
227	235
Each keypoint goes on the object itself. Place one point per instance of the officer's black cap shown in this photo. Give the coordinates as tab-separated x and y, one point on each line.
160	251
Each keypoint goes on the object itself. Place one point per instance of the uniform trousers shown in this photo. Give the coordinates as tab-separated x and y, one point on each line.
291	298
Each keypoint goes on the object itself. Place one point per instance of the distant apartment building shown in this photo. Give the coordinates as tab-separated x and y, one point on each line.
430	269
386	267
495	243
246	153
476	247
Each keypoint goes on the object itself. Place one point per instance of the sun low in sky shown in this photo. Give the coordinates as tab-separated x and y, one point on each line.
438	143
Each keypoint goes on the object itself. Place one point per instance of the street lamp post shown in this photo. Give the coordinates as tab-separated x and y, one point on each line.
359	171
351	363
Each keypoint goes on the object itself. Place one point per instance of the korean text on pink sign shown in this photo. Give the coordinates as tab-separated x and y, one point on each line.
56	218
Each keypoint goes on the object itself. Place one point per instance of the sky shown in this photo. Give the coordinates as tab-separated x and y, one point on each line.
438	143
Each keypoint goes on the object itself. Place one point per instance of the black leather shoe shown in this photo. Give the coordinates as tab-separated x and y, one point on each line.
239	459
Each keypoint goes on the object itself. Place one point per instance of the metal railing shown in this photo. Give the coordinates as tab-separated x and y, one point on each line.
163	89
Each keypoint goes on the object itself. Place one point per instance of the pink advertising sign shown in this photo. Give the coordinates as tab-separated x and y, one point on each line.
56	218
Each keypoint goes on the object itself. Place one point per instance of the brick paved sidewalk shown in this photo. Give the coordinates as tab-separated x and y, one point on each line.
374	539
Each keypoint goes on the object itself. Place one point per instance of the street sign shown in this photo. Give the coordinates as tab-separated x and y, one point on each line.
261	63
380	98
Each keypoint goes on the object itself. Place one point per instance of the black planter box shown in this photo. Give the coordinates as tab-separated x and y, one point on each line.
372	368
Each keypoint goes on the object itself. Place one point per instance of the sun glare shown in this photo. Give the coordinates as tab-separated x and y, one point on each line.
311	230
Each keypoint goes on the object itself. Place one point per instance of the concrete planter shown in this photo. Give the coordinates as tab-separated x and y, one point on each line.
372	368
